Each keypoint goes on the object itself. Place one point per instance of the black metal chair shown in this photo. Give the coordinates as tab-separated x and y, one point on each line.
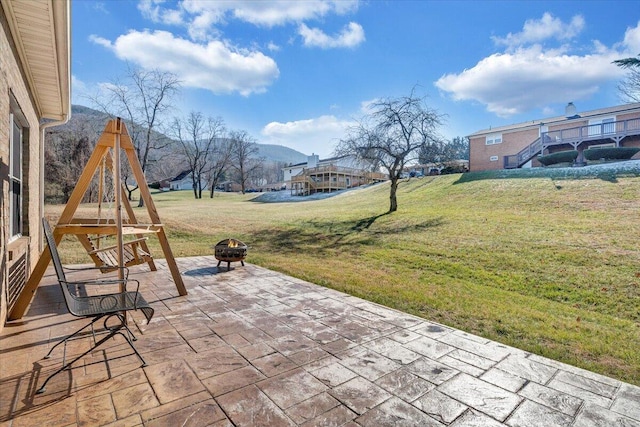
99	306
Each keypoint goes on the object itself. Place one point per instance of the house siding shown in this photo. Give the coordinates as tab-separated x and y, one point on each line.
480	153
13	84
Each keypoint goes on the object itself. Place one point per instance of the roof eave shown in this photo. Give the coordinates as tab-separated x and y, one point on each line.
618	109
51	93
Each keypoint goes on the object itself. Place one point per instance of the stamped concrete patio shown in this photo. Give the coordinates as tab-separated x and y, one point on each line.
252	347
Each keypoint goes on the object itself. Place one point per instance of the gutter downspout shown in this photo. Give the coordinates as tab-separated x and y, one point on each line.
43	128
63	46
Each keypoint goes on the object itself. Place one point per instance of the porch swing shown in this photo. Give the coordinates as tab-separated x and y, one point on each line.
101	247
103	238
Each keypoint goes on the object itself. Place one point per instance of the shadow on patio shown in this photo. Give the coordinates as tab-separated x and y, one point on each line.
252	347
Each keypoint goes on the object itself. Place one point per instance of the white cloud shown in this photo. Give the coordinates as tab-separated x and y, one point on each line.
632	40
350	36
268	13
101	41
279	12
150	9
78	90
530	76
366	107
538	30
273	47
100	7
318	135
200	17
153	10
214	66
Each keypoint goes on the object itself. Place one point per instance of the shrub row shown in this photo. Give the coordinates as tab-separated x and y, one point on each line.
613	153
559	157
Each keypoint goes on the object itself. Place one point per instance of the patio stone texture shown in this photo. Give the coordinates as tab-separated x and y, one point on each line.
253	347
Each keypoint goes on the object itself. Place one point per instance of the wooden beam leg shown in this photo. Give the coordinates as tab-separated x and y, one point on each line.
134	163
29	291
171	263
132	219
151	263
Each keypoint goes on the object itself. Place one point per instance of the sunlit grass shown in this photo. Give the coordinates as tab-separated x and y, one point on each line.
549	265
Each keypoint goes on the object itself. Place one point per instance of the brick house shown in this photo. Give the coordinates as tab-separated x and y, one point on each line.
516	146
35	93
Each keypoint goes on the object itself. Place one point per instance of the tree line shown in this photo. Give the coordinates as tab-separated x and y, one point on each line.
166	143
393	134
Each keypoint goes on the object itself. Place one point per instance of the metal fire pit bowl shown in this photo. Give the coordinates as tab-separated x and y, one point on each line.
230	250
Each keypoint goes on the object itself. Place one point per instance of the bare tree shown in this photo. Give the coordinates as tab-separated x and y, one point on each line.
244	157
392	135
68	150
171	165
143	98
441	153
197	135
220	159
65	157
272	172
629	88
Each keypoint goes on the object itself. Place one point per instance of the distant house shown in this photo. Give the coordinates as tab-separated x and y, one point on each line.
228	186
518	145
35	77
332	174
184	181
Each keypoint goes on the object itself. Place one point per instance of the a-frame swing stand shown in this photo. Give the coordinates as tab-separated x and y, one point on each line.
115	134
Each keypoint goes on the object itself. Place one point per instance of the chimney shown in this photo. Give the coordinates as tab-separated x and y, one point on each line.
570	110
313	160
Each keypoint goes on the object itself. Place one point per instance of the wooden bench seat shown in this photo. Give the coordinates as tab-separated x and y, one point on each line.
132	253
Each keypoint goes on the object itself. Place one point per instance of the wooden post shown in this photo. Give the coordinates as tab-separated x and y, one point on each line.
117	183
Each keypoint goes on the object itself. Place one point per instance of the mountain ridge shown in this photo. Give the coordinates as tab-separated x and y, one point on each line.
270	152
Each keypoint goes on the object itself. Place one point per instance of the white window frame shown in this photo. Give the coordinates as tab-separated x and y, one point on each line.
608	145
495	138
493	158
608	125
602	126
543	129
16	177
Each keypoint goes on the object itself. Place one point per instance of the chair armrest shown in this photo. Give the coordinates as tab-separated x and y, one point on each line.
124	269
106	282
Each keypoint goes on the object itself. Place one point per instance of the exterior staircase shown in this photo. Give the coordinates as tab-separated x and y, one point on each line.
573	137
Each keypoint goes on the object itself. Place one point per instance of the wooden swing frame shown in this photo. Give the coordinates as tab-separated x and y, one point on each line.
114	138
108	258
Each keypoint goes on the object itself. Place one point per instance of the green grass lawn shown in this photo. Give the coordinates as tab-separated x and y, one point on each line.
546	261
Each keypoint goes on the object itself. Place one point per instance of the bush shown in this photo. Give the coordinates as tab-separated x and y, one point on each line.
453	169
612	153
559	157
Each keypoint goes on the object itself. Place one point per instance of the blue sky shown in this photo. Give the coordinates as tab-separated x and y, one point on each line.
298	73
